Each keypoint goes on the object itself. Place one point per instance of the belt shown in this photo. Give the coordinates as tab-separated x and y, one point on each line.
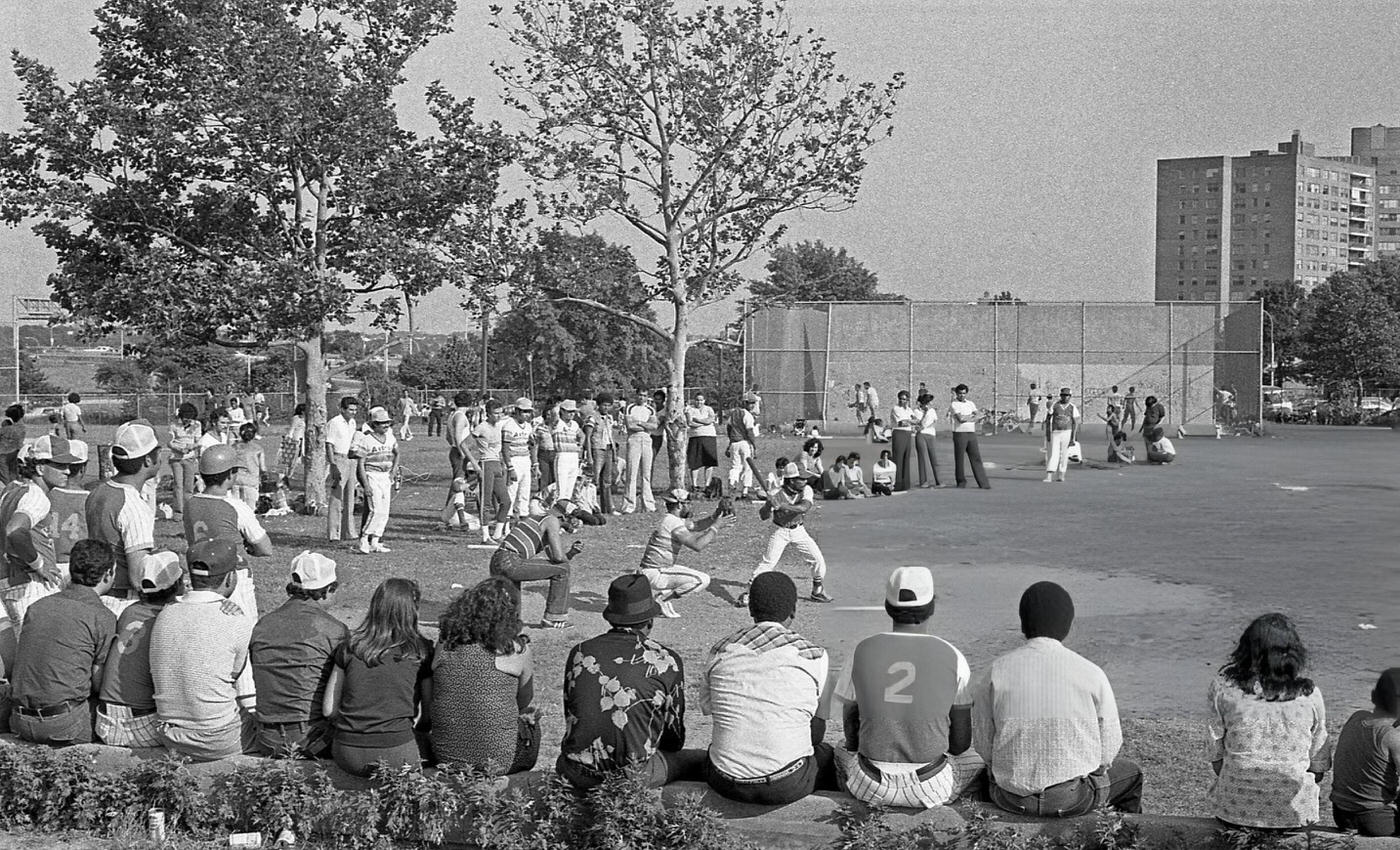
119	594
780	773
288	724
55	710
135	712
923	773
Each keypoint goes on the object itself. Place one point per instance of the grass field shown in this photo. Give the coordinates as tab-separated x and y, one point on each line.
1166	565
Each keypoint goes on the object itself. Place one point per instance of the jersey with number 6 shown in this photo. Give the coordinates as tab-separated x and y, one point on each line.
905	684
67	519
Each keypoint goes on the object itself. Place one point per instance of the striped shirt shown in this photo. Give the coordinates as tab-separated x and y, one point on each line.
544	436
198	652
25	498
378	456
516	436
119	517
1044	715
526	538
568	436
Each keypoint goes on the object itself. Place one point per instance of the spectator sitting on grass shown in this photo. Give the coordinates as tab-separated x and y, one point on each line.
774	479
1120	450
878	432
908	735
126	710
763	686
1366	762
882	475
811	462
1159	448
1045	721
855	477
482	709
291	651
1268	731
833	483
62	650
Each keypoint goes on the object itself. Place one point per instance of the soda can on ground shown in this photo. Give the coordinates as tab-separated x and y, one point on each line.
155	825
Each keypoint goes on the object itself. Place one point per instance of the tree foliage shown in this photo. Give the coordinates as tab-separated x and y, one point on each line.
697	125
122	376
813	271
32	380
454	365
1283	308
1351	332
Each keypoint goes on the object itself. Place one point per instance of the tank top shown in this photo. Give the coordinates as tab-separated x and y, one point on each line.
67	520
17	570
474	709
526	538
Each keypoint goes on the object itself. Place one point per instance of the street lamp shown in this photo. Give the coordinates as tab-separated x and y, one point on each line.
1273	360
530	364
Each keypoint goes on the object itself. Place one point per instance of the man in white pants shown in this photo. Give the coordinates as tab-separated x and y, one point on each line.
788	506
640	420
742	430
1061	429
518	435
568	446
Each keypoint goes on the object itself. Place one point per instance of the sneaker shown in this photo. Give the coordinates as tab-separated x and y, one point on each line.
742	601
380	547
1047	479
819	595
668	611
364	546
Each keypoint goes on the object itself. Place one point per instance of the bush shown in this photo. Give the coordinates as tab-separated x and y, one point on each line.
275	795
416	808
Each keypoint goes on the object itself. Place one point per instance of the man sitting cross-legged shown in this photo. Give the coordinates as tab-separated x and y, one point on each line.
1045	721
126	711
291	651
907	707
64	645
763	685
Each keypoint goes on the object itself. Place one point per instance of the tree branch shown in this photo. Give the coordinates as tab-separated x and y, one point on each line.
613	311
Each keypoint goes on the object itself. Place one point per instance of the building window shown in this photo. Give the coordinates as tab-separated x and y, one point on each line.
1181	219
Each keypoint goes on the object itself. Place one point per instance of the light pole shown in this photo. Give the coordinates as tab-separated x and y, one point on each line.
1273	360
530	365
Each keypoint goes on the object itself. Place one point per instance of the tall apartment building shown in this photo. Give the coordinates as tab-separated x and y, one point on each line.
1379	147
1228	226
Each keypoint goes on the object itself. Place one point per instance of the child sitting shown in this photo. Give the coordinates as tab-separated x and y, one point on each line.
855	478
1120	450
774	480
833	485
1159	448
882	475
878	432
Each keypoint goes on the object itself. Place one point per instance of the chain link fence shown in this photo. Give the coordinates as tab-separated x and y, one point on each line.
808	358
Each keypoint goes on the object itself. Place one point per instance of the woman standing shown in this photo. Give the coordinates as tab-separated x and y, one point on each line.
923	443
483	683
379	678
293	447
377	460
1268	731
902	421
185	432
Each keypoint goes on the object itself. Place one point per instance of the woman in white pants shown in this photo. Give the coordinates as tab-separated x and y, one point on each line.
377	459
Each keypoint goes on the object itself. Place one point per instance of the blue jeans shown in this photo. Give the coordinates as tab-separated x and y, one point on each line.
1120	787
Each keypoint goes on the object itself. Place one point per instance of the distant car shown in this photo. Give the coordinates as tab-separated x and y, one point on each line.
101	349
1375	404
1277	406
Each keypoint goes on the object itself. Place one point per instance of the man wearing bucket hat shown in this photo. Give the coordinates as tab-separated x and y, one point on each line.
126	707
518	442
31	559
118	515
217	514
788	507
376	455
624	698
291	653
907	707
568	447
669	580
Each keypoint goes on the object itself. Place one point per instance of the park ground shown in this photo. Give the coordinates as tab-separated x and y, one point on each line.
1167	564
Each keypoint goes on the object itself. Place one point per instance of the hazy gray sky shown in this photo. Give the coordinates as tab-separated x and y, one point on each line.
1025	143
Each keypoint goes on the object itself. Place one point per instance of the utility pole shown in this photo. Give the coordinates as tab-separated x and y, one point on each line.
485	330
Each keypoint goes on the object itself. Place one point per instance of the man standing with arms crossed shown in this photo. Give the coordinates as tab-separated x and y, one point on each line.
963	414
641	423
340	483
602	450
1061	428
568	448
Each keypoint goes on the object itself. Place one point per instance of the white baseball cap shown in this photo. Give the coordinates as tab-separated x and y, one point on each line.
56	449
909	587
134	440
159	571
312	570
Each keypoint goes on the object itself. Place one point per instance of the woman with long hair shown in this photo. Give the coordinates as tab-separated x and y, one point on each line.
1268	731
380	678
185	432
482	710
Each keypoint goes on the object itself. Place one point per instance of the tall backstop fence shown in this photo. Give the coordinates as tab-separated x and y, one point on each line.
806	358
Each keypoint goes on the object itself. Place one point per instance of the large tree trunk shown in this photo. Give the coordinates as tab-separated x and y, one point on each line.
675	400
314	379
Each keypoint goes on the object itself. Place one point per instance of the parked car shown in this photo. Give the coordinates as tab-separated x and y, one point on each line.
1277	405
1374	404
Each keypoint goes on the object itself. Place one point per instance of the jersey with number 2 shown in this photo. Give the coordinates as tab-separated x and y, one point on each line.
905	685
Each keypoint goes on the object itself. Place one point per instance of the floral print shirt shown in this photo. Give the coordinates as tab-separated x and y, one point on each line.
624	699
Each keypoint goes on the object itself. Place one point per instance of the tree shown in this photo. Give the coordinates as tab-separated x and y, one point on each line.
234	173
1003	297
1351	334
32	380
576	350
123	376
812	271
697	130
1283	309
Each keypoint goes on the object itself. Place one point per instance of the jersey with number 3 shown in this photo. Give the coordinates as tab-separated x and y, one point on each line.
905	684
67	519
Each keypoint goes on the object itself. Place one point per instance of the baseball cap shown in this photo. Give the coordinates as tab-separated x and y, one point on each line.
56	449
216	459
568	404
750	398
134	440
676	496
312	570
212	558
379	414
909	587
160	571
524	404
79	450
791	471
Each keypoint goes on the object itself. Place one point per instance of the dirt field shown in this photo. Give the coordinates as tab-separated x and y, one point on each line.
1166	565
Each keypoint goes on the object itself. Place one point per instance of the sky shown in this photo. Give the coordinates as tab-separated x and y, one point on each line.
1025	142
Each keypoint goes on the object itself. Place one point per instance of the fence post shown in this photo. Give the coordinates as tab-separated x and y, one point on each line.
1171	344
996	405
1083	346
826	370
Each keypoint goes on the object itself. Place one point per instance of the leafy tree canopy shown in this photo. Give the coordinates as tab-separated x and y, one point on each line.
1351	332
813	271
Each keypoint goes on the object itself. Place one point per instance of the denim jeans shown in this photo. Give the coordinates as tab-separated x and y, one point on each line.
1120	787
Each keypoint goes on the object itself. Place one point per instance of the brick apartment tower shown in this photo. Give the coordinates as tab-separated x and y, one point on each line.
1379	147
1230	226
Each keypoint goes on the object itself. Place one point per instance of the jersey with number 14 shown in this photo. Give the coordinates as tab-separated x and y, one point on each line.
905	684
67	520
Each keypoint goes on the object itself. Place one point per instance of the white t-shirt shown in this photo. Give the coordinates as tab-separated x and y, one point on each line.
71	412
883	472
662	547
1163	447
928	419
701	421
903	414
872	398
339	432
966	409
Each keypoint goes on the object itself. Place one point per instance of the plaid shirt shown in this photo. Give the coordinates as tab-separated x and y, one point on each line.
766	636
